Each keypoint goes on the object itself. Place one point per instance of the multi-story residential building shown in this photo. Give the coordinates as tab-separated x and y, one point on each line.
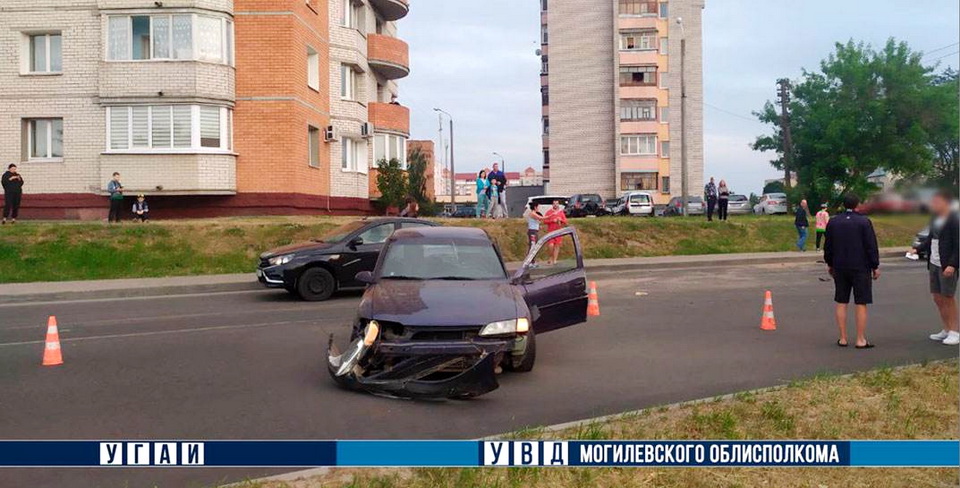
209	107
611	96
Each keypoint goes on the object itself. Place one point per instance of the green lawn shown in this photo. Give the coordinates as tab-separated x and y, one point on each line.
57	251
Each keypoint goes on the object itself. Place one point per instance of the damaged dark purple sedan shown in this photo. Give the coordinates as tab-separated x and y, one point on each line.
441	315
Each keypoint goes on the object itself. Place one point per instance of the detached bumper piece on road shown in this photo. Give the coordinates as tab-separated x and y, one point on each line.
435	370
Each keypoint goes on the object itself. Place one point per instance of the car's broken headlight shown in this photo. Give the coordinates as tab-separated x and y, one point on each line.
502	327
278	260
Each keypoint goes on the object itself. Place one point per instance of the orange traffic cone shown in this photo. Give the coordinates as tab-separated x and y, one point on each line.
767	321
593	303
51	352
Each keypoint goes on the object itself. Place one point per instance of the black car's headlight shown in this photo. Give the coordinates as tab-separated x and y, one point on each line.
504	327
278	260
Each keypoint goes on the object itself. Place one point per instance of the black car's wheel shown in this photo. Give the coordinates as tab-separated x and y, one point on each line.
524	363
316	284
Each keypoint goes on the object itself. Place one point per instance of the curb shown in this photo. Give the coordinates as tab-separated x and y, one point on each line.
306	473
126	288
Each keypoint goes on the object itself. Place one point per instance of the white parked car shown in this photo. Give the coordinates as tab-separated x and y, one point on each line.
771	203
738	205
638	203
545	202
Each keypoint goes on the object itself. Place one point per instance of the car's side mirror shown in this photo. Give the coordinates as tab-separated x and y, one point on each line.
523	278
356	241
365	277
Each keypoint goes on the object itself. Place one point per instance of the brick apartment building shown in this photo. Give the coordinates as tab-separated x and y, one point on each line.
610	83
210	107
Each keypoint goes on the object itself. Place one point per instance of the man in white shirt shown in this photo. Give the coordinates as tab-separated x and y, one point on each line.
941	245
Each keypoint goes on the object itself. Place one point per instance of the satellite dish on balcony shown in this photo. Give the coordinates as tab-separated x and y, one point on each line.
539	52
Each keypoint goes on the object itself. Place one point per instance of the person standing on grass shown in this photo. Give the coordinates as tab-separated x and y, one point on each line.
12	183
853	259
115	189
823	216
533	217
710	192
493	195
499	179
801	221
723	200
482	185
555	219
942	248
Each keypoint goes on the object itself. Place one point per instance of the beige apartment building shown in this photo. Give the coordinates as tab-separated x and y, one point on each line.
610	83
209	107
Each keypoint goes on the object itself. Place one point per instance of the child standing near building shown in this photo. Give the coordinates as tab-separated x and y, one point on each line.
822	218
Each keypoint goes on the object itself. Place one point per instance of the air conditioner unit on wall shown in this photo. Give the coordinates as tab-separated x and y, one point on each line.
366	129
330	134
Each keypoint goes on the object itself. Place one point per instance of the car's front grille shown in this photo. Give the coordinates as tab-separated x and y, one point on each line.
399	332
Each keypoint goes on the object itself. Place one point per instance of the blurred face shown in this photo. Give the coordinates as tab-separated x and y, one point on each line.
556	204
495	167
13	169
939	205
803	203
116	177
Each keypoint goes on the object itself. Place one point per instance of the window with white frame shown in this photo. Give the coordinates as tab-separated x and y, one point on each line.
352	15
664	115
313	146
349	83
389	146
169	128
353	155
664	10
639	109
638	40
43	139
45	53
664	45
665	149
638	145
178	36
313	68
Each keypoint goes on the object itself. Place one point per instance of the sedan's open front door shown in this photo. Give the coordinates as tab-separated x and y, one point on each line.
554	281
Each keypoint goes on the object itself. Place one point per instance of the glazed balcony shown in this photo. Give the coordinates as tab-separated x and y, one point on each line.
391	10
388	56
389	117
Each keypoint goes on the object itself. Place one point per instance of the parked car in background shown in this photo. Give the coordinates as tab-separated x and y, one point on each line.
610	204
465	212
441	313
918	242
314	270
545	202
739	205
638	203
584	205
771	203
675	207
888	203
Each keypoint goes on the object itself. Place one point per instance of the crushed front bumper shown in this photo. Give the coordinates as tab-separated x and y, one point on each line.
423	370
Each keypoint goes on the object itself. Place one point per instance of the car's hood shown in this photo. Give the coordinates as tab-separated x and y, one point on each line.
299	247
440	302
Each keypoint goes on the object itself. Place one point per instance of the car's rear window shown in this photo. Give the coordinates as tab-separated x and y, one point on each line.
430	259
695	199
738	198
592	198
640	198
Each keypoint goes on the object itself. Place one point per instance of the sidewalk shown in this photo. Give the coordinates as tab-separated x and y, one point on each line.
186	285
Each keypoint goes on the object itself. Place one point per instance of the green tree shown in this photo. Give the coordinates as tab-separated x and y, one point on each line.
774	187
945	131
417	176
392	183
864	110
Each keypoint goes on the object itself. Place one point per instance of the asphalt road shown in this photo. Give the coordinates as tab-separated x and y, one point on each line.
249	365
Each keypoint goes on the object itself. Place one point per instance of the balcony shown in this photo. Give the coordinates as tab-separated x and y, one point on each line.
391	10
389	117
388	56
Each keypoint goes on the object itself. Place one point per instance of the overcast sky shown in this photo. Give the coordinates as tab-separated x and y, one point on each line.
476	60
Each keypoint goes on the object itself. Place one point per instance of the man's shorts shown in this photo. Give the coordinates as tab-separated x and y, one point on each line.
941	285
860	282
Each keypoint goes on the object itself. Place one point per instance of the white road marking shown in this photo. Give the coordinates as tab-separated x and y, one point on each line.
167	332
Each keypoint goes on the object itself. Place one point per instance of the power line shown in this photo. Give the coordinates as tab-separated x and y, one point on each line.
945	56
734	114
927	53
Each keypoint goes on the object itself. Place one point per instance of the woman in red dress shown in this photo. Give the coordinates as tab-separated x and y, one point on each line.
555	220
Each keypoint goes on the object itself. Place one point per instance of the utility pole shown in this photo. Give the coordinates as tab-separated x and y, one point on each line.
684	183
783	97
453	178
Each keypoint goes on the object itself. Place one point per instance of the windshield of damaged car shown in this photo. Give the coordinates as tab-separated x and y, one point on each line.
441	260
341	233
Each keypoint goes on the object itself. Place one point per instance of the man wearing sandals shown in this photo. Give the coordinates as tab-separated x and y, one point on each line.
853	258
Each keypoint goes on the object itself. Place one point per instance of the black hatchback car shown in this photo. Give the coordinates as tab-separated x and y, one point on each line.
582	205
314	270
442	314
